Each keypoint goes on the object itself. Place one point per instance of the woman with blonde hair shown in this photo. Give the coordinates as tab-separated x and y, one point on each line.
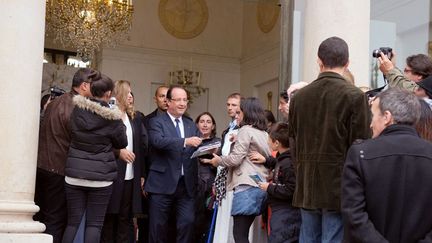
127	189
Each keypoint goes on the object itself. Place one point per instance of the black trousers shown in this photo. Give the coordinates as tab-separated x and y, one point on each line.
118	227
91	200
50	197
160	206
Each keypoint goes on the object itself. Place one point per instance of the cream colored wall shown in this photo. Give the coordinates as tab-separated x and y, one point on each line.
221	37
151	52
143	66
260	57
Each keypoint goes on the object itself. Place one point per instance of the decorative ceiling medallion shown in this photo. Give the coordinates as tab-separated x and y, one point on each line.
267	14
184	19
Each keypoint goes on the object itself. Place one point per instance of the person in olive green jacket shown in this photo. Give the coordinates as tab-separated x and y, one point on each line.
325	117
417	67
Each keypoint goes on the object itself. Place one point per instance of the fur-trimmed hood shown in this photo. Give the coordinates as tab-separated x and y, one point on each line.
94	106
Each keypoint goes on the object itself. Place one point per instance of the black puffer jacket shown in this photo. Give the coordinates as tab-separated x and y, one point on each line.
96	130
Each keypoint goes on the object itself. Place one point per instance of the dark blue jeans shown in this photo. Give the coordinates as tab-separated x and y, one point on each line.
321	226
91	200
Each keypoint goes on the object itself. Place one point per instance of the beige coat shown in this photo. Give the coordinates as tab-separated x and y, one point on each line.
240	167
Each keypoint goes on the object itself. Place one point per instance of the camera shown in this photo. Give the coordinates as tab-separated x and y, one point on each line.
56	91
112	102
385	50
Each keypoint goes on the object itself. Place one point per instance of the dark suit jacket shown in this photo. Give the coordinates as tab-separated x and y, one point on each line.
140	146
168	154
150	116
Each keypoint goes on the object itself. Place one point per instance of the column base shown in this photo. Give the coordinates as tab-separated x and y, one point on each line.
25	238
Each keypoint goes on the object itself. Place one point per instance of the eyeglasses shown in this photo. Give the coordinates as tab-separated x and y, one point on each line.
406	70
180	99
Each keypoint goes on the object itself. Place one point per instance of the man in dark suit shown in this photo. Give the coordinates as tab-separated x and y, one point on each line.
173	174
161	103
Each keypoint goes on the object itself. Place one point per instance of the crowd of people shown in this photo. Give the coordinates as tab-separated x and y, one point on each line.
342	166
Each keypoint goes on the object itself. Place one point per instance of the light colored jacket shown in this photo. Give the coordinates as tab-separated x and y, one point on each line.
240	167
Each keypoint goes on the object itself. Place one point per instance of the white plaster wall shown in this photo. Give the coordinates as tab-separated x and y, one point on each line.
260	54
254	41
409	19
347	19
143	66
257	71
151	52
221	37
382	34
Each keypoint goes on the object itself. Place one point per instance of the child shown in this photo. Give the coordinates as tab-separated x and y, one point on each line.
285	219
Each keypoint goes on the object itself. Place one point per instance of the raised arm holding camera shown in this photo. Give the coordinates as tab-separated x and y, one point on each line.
417	68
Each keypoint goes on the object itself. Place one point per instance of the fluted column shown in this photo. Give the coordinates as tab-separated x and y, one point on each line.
21	53
347	19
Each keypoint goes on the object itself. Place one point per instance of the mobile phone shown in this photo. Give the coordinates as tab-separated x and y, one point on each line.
256	178
112	102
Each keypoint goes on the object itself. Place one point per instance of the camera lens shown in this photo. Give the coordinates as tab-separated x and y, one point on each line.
376	53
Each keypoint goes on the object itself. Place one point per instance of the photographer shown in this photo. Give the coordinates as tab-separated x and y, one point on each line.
417	68
54	140
46	99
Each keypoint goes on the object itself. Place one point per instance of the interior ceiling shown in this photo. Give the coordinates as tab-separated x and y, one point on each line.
407	14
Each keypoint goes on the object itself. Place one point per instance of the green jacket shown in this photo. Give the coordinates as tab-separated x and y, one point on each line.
396	78
325	118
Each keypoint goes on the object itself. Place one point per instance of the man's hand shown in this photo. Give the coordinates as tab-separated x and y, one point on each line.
214	161
46	103
144	193
385	63
127	155
256	157
193	141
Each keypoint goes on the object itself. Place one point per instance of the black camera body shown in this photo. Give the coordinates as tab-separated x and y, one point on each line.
56	91
385	50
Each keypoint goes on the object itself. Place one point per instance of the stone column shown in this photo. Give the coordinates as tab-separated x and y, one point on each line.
347	19
21	55
286	42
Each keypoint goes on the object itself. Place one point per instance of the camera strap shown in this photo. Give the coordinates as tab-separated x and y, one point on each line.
373	92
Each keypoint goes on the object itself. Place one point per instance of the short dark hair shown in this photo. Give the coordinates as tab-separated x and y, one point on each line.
284	95
279	132
234	95
213	131
333	52
420	64
269	116
160	87
253	113
85	75
171	88
98	87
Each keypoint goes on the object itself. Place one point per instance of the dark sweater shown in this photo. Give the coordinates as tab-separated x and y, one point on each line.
281	190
